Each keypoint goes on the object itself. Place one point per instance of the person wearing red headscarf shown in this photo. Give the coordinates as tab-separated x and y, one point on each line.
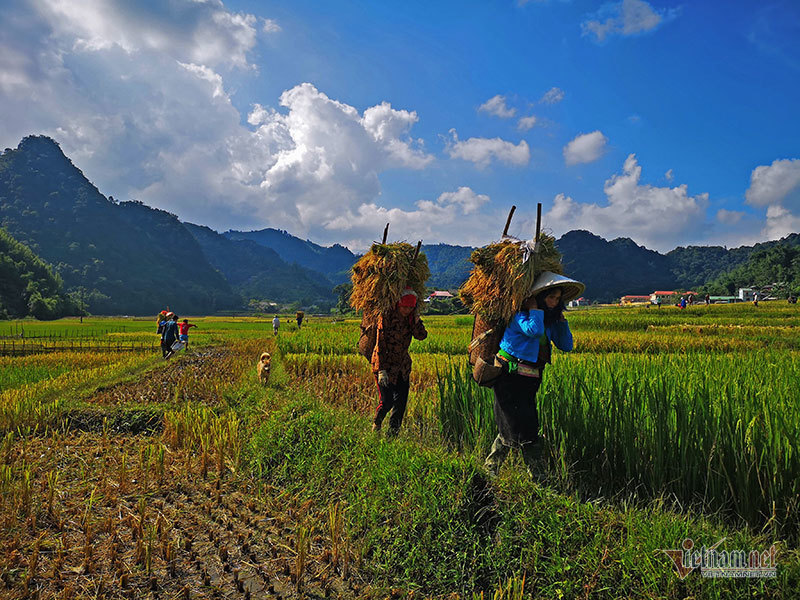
391	362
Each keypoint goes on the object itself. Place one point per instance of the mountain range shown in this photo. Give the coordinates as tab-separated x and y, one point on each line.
126	257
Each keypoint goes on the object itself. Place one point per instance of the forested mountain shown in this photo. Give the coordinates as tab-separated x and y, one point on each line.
28	285
334	262
449	265
613	269
255	271
131	258
767	264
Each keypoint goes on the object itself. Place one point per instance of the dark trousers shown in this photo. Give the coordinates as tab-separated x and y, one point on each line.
166	346
392	397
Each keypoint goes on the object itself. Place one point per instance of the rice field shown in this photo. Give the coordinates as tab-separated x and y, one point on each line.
126	476
698	405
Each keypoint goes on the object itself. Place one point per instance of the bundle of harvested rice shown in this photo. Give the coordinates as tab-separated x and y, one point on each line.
504	273
299	314
381	274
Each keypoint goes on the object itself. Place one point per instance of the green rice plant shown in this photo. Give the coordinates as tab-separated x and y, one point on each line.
719	430
465	411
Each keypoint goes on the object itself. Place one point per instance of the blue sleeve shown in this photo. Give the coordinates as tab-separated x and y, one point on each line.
562	336
531	323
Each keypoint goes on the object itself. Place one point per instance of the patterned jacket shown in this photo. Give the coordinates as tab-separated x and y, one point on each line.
392	342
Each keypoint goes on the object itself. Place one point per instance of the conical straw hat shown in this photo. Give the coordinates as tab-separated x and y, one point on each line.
570	289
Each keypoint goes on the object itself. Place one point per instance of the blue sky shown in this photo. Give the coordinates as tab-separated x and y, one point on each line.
669	123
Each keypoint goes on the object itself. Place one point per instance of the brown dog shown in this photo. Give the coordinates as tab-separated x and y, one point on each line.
263	368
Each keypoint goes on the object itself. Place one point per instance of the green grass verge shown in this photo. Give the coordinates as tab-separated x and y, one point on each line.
425	517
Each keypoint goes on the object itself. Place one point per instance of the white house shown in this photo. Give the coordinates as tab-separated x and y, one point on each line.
746	294
578	302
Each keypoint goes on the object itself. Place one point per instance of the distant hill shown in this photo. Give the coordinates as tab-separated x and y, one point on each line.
255	271
333	262
449	265
28	285
131	258
613	269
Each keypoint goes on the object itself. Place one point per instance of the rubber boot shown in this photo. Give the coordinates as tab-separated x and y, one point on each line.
496	457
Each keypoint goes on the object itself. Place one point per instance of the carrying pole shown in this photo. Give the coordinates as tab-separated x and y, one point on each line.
508	220
416	252
538	221
385	233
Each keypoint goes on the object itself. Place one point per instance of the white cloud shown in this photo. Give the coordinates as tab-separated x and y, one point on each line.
629	17
552	96
780	223
482	151
659	218
585	148
778	183
526	123
777	187
497	106
669	175
271	26
730	217
198	32
452	218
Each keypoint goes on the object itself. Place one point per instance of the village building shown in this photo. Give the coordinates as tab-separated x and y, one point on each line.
661	295
438	295
578	302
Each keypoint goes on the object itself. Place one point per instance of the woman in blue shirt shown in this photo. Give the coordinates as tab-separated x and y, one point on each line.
524	351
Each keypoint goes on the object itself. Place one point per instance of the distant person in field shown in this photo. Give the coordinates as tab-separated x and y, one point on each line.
682	303
299	316
391	362
708	299
755	299
276	322
524	352
170	335
183	331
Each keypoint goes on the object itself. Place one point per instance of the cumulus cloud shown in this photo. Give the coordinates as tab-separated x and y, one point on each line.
778	183
454	218
585	148
657	217
629	17
191	32
777	186
497	106
526	123
138	97
482	151
780	223
552	96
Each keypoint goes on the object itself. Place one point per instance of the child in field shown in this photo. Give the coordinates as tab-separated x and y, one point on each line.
183	329
524	352
276	322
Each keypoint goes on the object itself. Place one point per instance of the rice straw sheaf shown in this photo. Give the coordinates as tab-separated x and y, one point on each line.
500	281
381	274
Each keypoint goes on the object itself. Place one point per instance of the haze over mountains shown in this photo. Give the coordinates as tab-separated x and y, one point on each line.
134	259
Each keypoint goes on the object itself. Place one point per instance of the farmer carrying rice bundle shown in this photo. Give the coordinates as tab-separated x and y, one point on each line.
517	293
387	281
